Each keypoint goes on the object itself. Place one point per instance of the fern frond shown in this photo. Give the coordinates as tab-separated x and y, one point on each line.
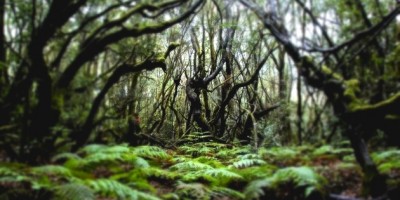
278	153
255	189
300	177
196	191
225	154
100	158
216	176
152	152
221	174
389	166
73	191
329	150
9	175
123	148
65	156
323	150
232	153
146	196
223	192
242	150
106	157
256	172
93	148
52	170
140	163
386	156
247	163
249	156
213	162
197	150
5	171
179	159
158	173
112	188
189	166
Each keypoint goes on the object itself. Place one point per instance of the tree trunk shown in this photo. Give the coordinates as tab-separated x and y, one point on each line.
3	68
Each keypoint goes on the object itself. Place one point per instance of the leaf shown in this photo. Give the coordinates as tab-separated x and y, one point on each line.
189	166
151	152
73	191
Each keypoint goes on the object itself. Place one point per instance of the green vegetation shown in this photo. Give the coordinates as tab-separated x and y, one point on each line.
199	99
148	172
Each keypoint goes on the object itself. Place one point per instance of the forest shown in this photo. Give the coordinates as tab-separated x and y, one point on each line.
199	99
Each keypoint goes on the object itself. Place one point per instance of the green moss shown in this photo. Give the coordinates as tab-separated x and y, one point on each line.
58	100
160	58
326	70
352	88
386	107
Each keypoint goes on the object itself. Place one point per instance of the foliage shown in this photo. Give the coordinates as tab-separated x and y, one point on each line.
300	177
387	161
197	78
149	172
73	191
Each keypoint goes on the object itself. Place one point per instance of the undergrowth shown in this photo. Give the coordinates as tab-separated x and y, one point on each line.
205	170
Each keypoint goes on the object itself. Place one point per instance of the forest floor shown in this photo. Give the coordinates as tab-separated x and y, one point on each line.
196	171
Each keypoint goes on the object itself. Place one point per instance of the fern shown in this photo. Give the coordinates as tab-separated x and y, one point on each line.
255	189
256	172
5	171
387	160
225	154
45	177
189	166
223	192
52	170
9	175
247	160
323	150
158	173
216	176
103	158
221	174
197	150
193	191
112	188
329	150
65	156
300	177
93	148
213	162
280	153
118	149
73	191
152	152
97	155
231	153
389	166
386	156
180	158
247	163
140	163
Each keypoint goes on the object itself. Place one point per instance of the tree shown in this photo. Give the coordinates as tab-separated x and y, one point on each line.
342	89
64	37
